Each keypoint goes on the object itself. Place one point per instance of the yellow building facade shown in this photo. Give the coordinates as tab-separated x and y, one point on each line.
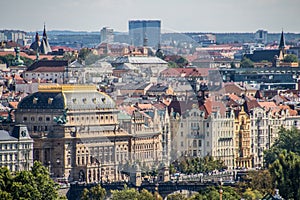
243	156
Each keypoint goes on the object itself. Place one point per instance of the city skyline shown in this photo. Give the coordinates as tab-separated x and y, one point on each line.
188	16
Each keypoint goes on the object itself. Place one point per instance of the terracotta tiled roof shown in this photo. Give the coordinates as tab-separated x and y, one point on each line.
214	106
14	104
128	109
232	88
234	97
33	57
267	105
251	104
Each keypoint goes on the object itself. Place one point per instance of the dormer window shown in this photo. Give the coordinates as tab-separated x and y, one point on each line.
103	100
84	100
74	100
94	100
50	100
35	99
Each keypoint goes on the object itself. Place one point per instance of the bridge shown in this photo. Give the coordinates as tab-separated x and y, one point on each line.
164	189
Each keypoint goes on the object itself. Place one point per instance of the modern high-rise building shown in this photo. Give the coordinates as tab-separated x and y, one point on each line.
261	36
107	34
145	32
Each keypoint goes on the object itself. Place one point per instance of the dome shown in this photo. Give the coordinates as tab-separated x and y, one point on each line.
73	97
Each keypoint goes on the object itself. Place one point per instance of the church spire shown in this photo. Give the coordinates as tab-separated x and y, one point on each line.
282	42
44	32
45	47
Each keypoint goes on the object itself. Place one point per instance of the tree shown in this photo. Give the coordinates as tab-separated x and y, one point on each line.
290	58
133	194
252	194
246	63
257	180
198	165
212	193
288	139
146	195
285	171
94	193
33	184
83	53
6	180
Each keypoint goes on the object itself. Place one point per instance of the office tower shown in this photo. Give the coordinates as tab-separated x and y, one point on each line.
261	36
144	32
107	34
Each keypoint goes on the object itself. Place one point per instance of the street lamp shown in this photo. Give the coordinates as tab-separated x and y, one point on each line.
221	191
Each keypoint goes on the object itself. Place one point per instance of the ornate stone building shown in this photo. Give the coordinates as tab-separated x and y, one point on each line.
188	131
16	149
260	135
146	137
220	137
242	144
77	135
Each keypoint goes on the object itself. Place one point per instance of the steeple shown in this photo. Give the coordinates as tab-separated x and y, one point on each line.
282	42
44	32
45	47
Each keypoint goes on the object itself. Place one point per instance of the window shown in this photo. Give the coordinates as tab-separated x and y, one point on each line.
182	143
32	119
40	119
24	119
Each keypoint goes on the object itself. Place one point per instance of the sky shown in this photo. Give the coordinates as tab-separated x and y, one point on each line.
175	15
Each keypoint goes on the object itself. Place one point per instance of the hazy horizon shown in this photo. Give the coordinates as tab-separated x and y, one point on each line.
217	16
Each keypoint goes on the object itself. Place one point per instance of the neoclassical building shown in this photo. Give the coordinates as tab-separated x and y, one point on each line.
16	149
76	132
146	136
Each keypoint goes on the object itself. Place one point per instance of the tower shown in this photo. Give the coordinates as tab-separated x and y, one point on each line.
145	32
41	46
45	47
281	46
